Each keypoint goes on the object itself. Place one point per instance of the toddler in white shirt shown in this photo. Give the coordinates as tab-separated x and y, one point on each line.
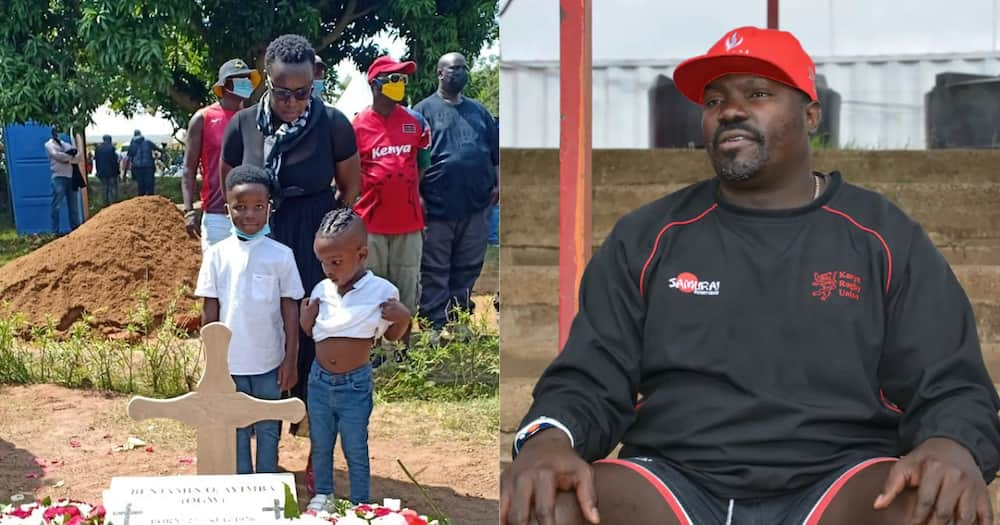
344	314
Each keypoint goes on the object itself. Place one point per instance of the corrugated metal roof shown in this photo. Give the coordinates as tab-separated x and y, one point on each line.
882	98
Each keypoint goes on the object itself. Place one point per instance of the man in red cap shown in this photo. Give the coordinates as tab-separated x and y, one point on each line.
391	142
773	345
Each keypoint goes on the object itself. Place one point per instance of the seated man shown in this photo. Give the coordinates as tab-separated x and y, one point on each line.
771	346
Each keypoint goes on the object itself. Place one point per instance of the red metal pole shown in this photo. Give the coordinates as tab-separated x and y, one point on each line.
772	14
575	110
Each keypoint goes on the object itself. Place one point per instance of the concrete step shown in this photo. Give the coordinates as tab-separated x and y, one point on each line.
950	211
515	399
528	364
980	282
657	166
506	451
489	277
958	251
991	356
535	326
531	312
985	251
541	284
529	325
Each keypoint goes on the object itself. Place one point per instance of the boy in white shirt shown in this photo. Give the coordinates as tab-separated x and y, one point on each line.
344	314
251	284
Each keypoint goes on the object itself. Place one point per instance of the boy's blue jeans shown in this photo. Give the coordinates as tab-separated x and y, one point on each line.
261	386
341	403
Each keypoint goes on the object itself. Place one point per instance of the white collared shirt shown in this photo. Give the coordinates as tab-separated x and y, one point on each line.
358	313
249	278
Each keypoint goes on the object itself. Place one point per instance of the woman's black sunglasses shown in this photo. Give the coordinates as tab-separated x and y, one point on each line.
284	95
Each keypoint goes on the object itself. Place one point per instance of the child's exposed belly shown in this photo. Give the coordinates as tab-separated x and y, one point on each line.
343	354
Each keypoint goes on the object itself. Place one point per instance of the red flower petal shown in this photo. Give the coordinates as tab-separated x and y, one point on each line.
413	519
33	475
75	443
149	448
68	511
187	460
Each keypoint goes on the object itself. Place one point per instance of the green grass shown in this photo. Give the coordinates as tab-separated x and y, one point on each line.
13	246
472	420
169	187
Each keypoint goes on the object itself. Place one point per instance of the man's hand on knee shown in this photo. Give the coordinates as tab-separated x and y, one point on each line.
546	464
950	488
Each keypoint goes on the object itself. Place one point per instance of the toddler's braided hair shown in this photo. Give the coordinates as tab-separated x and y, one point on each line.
337	221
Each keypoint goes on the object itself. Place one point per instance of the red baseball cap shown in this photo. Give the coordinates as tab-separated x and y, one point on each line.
386	64
768	53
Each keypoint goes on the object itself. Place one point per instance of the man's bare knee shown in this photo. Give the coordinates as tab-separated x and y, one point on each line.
568	509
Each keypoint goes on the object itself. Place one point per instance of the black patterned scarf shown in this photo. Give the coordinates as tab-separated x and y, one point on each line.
277	141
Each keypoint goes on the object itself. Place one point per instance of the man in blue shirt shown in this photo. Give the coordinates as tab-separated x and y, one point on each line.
140	156
458	190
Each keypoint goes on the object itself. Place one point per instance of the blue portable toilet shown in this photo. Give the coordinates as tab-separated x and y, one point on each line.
31	180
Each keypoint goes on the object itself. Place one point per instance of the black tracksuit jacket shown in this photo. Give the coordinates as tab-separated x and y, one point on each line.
758	351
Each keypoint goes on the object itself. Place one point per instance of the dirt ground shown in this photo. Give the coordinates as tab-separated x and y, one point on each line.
58	442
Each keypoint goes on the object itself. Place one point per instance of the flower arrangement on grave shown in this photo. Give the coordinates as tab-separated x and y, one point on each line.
69	512
49	512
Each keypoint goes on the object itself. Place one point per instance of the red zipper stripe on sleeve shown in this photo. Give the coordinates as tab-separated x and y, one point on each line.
888	254
652	253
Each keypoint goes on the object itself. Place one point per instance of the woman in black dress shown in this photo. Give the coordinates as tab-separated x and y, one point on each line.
310	152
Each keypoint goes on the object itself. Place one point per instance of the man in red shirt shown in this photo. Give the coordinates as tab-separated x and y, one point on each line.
390	139
204	146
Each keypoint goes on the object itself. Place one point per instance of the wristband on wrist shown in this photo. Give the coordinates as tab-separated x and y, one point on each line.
536	426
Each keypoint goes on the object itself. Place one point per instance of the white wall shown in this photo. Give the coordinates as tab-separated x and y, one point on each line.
880	57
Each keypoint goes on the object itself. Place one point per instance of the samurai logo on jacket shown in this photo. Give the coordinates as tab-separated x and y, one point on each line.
841	284
688	282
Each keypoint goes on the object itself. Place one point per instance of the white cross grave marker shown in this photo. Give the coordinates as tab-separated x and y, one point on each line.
127	513
215	408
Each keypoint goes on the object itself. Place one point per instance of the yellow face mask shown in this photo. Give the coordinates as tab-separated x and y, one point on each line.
394	91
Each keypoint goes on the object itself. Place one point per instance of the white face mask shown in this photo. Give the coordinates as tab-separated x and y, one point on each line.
242	87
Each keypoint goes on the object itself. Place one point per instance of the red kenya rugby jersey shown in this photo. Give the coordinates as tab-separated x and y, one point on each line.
390	182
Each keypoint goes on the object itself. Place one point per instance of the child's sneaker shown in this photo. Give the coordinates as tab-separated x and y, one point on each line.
318	503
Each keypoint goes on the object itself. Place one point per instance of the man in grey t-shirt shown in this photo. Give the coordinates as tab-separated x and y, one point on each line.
62	155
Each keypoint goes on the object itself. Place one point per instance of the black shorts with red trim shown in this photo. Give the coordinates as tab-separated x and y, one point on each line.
693	505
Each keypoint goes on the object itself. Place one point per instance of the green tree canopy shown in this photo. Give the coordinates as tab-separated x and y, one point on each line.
484	84
59	61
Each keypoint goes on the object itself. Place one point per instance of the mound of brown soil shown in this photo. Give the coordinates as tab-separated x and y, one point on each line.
138	244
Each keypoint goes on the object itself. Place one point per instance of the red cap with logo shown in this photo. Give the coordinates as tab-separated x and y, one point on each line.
768	53
386	64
